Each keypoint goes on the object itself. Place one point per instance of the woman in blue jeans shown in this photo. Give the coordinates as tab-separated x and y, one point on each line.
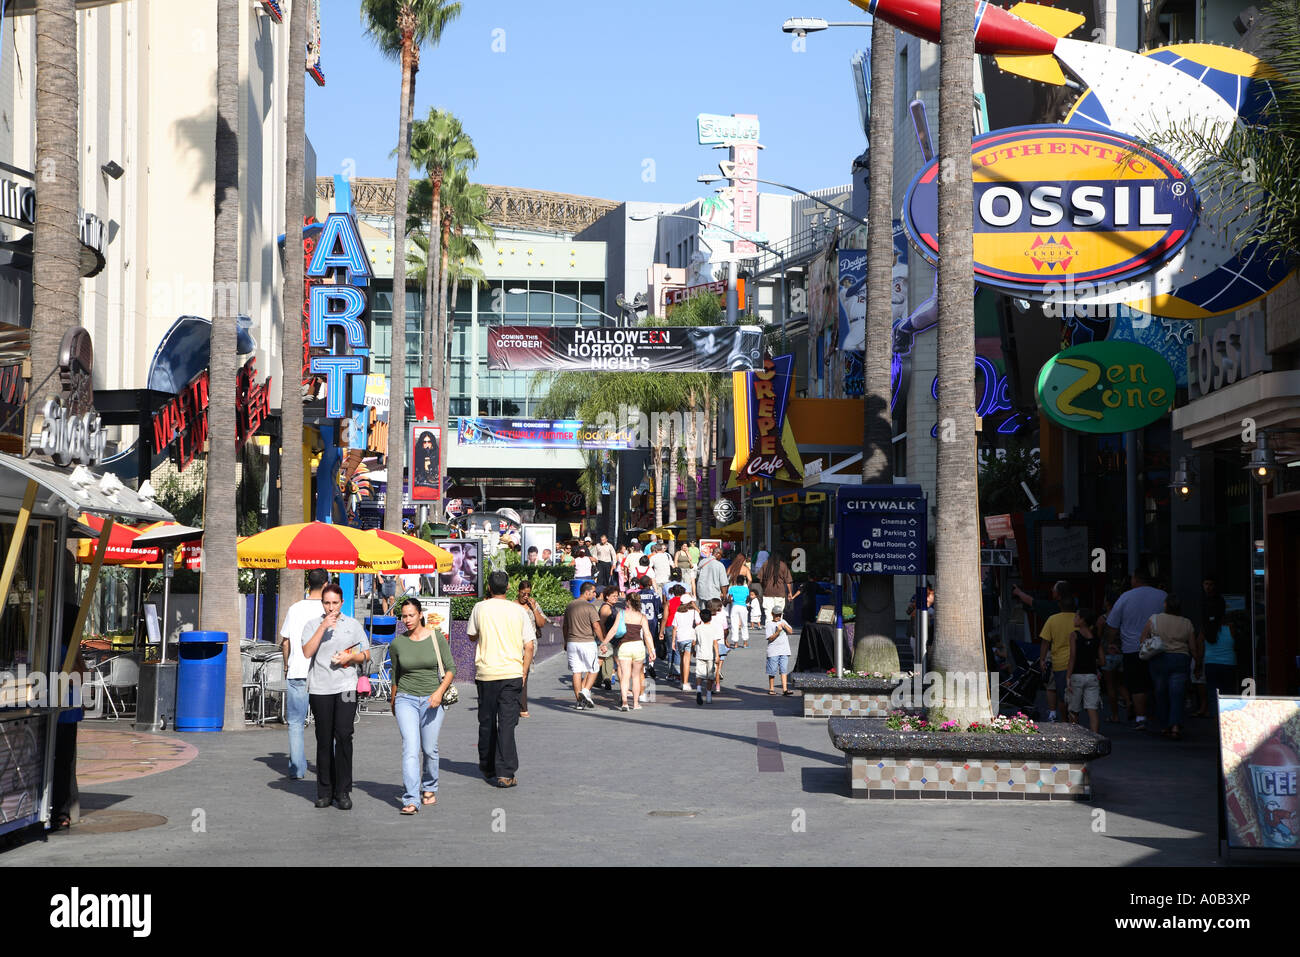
422	673
1169	669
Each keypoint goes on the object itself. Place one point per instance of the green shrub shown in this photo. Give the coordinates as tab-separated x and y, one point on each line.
552	594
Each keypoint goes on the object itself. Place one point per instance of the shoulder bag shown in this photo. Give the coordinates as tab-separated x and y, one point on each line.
451	695
1153	645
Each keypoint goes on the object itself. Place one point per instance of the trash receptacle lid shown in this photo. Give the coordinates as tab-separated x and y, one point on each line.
381	620
218	637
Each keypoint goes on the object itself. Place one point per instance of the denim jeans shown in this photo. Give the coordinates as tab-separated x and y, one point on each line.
419	725
1169	672
295	706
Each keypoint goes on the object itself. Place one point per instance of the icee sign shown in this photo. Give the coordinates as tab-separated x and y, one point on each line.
880	530
1056	205
341	304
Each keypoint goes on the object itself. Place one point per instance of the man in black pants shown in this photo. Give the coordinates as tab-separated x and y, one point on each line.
334	645
502	631
604	555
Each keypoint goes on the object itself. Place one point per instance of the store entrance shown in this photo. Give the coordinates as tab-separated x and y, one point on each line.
1282	584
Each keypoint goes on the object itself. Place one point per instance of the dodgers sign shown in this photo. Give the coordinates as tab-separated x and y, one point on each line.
1055	205
880	530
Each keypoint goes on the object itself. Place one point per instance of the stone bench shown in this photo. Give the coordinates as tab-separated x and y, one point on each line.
825	696
884	764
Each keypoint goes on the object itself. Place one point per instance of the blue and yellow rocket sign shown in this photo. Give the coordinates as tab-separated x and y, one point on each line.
1056	206
765	446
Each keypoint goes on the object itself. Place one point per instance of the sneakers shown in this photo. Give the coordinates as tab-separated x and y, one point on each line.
643	699
699	697
624	707
708	697
687	688
586	696
581	705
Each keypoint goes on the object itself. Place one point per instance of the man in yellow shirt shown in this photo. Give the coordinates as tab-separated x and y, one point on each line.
503	632
1056	642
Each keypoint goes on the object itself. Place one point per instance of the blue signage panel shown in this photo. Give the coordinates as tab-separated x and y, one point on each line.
880	530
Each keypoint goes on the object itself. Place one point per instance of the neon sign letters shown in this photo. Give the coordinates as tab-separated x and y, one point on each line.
338	247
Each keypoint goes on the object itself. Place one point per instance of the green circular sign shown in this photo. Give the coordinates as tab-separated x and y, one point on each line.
1106	387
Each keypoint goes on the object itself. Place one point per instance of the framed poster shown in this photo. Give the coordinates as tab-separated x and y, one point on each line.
464	578
437	614
426	462
538	544
1259	772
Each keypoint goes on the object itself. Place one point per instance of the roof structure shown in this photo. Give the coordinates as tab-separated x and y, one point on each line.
509	207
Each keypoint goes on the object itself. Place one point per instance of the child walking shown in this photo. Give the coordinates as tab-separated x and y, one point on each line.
778	650
708	654
739	594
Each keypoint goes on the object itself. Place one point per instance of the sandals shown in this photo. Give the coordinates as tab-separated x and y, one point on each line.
409	810
428	797
61	822
506	782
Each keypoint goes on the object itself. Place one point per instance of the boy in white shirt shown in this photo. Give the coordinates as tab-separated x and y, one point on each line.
778	650
708	637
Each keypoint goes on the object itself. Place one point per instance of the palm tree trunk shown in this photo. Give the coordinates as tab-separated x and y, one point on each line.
875	607
443	333
56	250
291	346
959	643
432	259
692	472
658	451
706	459
674	441
396	459
219	595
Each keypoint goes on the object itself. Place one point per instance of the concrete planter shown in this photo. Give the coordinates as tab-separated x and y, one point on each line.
825	696
891	765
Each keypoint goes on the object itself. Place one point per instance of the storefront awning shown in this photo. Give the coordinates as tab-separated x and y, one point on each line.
1271	399
62	492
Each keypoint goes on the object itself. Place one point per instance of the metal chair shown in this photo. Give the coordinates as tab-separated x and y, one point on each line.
118	673
250	684
271	677
381	679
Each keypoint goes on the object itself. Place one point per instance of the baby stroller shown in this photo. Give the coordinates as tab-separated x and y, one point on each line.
1019	693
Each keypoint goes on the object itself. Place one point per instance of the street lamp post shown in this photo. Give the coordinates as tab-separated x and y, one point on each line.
520	291
761	245
715	177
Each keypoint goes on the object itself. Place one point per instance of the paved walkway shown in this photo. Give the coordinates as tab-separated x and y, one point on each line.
745	781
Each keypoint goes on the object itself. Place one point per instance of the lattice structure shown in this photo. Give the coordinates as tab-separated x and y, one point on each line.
509	207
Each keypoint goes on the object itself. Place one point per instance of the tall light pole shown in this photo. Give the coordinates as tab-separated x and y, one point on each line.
714	177
520	291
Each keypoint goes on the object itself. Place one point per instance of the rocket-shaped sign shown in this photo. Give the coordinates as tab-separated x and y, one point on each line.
1023	39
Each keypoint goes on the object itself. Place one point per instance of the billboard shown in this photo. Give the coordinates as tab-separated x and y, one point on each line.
637	349
851	296
1057	206
540	434
425	444
464	577
537	544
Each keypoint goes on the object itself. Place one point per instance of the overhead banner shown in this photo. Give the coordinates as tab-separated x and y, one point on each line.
540	434
765	445
426	462
638	349
851	293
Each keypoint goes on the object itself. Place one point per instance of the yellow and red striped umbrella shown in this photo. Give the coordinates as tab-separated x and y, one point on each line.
418	556
318	545
119	550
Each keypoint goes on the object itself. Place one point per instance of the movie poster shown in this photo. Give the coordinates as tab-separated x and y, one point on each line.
538	544
464	578
426	462
1259	747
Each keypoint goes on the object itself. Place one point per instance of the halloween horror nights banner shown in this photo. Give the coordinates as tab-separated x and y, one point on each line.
609	349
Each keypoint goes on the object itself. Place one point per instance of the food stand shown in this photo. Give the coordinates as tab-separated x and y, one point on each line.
39	503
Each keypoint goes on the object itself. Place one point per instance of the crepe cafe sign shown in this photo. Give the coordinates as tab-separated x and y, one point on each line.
764	444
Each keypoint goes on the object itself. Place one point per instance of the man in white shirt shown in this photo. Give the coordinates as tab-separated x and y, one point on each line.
661	566
604	556
1127	617
296	667
505	637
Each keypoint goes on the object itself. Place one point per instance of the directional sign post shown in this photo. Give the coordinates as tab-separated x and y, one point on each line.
879	530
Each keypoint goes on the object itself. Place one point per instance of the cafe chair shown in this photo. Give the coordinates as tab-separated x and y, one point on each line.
113	678
381	681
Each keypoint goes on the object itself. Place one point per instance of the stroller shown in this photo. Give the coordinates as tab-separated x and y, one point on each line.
1019	693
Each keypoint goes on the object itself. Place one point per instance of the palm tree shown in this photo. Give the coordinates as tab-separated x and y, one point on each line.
219	591
439	145
874	619
959	648
400	28
291	346
56	247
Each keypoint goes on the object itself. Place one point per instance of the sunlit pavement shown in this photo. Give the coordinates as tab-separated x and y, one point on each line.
746	780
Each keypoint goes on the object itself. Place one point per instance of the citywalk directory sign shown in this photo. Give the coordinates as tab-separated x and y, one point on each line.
880	530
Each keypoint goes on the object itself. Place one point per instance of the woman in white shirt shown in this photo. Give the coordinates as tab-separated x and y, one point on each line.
582	564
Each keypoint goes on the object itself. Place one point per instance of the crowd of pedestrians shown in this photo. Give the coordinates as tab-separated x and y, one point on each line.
1140	650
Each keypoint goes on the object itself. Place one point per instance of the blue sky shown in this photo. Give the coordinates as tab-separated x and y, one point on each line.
585	93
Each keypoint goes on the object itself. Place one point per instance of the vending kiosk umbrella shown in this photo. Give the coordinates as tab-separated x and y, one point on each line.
166	536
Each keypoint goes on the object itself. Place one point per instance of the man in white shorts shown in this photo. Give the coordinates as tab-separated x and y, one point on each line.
582	638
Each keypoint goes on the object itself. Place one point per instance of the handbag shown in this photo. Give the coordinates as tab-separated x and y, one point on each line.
620	626
451	695
1152	646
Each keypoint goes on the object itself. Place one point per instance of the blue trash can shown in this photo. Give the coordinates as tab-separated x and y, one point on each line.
575	585
381	629
201	681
